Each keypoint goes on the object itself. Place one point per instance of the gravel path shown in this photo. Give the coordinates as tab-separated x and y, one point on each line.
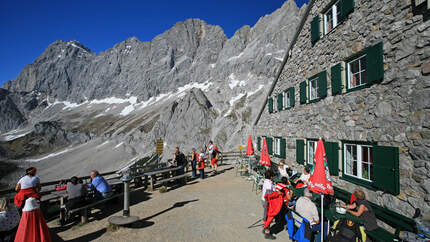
219	208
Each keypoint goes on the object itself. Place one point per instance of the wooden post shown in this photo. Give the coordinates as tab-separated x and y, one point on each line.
84	216
61	208
151	183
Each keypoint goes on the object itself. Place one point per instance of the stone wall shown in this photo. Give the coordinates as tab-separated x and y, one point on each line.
394	112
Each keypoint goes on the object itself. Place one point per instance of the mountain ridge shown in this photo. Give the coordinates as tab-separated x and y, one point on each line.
188	85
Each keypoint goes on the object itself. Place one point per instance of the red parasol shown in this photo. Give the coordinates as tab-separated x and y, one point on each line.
320	181
264	158
249	148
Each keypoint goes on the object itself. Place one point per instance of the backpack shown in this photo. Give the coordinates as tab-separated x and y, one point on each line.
342	232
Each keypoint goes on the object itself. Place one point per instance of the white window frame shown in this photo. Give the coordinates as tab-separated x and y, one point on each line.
277	146
310	155
287	103
360	161
360	72
312	90
332	11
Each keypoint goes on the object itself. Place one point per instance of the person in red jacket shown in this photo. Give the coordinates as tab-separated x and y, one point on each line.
201	164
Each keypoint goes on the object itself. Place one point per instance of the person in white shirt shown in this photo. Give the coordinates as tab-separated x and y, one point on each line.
268	188
307	209
210	150
282	168
304	178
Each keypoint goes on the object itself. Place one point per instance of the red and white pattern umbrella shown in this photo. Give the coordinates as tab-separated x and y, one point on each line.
264	158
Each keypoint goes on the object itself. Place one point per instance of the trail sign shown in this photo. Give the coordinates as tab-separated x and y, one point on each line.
240	147
159	146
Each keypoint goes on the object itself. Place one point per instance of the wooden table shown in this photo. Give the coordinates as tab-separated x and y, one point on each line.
152	175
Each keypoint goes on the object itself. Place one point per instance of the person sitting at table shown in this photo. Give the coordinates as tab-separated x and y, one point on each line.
28	186
307	209
9	220
362	209
75	197
302	181
282	168
100	186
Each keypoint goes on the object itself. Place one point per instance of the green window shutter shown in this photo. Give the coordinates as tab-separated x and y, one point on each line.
386	175
283	149
303	92
315	29
375	63
280	101
322	84
347	6
258	143
300	151
332	152
269	145
270	103
292	97
336	79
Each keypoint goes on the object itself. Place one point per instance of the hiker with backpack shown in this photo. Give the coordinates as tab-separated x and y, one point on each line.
214	160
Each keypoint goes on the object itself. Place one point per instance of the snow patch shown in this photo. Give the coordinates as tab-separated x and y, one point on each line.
118	145
255	91
234	82
49	156
127	110
279	59
13	137
212	65
235	57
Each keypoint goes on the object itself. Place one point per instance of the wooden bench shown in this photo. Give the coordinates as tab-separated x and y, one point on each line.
175	178
391	218
84	210
152	175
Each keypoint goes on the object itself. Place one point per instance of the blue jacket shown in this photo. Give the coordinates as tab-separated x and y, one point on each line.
100	184
304	233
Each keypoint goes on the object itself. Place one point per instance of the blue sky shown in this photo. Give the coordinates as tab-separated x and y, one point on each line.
27	27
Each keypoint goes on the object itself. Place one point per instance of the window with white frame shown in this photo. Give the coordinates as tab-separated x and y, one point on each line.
358	161
287	103
332	17
357	75
277	146
311	148
313	89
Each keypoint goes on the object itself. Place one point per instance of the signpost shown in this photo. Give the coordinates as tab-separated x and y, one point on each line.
159	145
240	148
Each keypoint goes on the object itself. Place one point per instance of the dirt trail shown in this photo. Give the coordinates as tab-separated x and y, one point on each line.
219	208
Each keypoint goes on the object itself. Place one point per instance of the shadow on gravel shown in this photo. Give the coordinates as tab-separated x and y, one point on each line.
176	205
87	237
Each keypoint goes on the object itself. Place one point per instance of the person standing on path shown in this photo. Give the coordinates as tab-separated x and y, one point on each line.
32	226
214	160
268	188
201	166
28	186
194	161
210	151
